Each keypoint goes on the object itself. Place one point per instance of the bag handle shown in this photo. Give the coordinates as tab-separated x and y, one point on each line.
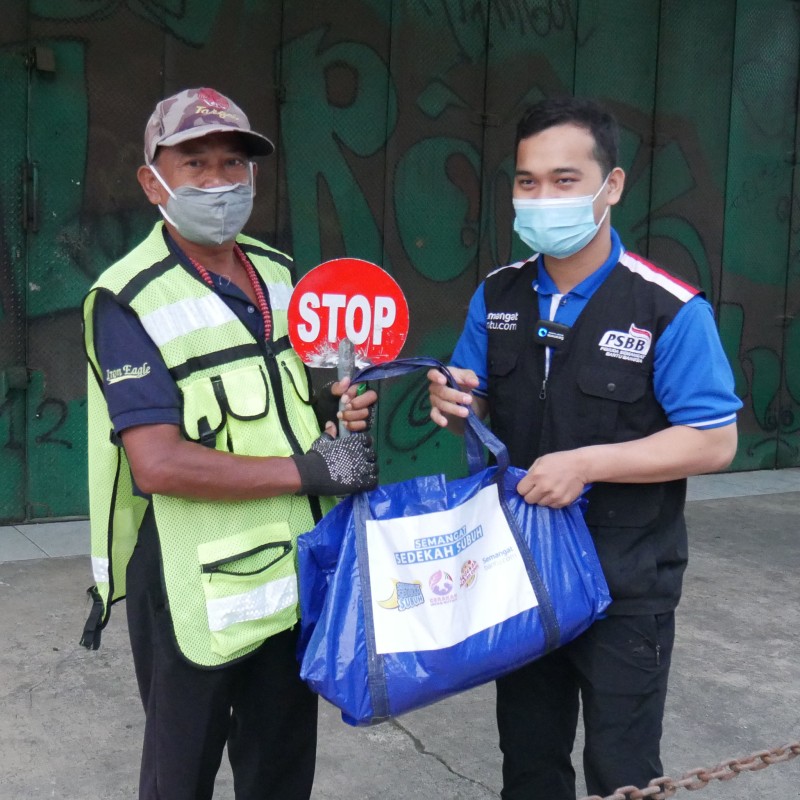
476	434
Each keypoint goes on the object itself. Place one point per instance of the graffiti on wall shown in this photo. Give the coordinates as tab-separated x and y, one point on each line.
399	151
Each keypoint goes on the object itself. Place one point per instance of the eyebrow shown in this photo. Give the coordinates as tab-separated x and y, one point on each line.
196	147
555	171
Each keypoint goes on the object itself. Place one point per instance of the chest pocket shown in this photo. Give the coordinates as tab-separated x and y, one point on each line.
218	404
607	391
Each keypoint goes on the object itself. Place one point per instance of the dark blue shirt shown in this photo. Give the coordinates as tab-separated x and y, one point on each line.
138	387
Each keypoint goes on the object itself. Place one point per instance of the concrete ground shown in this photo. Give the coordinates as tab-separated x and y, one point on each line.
71	722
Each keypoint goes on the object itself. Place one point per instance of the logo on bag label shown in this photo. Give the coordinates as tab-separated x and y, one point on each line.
404	596
437	548
469	573
630	345
446	601
441	584
500	557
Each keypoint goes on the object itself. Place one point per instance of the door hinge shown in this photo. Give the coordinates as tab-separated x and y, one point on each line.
12	378
42	59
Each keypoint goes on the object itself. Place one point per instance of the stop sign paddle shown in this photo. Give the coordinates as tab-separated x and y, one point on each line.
347	298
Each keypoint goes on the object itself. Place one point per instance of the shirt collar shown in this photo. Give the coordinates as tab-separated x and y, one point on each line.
545	285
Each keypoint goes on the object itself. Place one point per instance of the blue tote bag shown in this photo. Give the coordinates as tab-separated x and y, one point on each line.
418	590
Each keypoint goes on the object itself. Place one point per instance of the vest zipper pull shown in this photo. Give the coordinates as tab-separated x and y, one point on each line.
543	390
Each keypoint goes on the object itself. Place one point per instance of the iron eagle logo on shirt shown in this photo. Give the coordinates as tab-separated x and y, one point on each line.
126	373
630	345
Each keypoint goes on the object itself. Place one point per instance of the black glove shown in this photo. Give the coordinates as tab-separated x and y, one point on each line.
325	404
338	466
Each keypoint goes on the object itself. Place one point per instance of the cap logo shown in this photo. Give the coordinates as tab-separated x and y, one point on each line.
213	99
204	111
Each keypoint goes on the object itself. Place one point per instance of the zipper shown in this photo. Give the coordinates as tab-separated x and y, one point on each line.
214	566
280	405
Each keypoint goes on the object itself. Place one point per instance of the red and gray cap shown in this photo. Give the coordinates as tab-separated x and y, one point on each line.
193	113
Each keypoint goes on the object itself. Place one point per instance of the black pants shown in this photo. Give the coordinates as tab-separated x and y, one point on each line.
259	706
619	668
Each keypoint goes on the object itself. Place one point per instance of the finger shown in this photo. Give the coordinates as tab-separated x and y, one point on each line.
437	417
353	414
330	429
448	395
340	387
434	376
364	401
453	409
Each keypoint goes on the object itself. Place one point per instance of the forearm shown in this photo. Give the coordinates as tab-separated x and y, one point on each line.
556	479
673	453
163	462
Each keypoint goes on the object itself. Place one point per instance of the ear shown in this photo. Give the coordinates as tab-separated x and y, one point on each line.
153	190
615	185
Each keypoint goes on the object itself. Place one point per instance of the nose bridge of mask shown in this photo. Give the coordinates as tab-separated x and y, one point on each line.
210	189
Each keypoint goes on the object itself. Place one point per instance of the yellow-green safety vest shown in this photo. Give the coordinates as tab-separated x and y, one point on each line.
228	567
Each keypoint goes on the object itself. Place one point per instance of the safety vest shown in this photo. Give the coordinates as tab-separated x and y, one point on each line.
599	390
228	567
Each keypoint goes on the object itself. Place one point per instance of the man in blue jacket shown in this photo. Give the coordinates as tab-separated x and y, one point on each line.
602	373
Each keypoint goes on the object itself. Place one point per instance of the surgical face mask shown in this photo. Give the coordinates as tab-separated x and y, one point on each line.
208	216
558	226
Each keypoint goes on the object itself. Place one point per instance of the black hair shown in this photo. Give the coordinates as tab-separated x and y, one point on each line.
584	113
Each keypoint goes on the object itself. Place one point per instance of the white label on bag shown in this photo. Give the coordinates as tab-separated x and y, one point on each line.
438	578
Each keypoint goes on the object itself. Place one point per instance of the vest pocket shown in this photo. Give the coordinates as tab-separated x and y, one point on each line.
250	586
618	385
298	394
217	402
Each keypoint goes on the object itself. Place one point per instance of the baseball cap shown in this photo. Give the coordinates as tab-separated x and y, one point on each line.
193	113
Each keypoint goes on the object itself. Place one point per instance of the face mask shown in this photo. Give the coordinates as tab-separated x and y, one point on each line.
560	226
208	216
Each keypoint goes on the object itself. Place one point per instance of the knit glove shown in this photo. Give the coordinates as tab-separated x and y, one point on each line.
338	466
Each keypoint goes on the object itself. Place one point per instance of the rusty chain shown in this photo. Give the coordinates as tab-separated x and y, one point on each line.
700	777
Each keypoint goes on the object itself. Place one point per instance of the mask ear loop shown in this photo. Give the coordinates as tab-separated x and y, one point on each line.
602	186
169	192
252	180
608	208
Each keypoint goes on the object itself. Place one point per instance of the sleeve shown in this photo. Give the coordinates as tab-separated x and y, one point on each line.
693	379
472	346
138	387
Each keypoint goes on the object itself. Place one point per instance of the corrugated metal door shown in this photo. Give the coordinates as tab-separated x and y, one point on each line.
13	372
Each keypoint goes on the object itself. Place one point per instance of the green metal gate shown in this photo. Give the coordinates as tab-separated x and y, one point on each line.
394	122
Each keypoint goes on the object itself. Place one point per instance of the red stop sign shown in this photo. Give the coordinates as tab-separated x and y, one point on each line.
347	298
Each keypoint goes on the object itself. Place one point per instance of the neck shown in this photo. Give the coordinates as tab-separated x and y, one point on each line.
568	272
215	258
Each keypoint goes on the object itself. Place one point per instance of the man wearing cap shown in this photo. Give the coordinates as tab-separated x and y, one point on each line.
205	463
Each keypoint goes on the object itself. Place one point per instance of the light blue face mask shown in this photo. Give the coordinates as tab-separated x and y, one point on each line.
558	226
208	216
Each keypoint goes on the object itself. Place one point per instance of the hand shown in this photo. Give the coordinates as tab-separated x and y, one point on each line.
356	410
338	466
554	480
446	401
